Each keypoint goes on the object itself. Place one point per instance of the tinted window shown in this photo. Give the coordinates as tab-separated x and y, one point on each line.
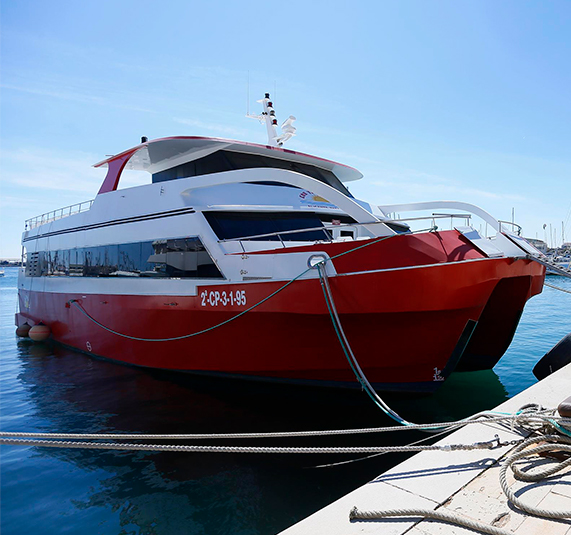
228	225
227	161
175	258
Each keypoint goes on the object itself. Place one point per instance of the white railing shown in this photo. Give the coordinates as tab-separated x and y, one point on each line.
326	229
432	205
58	214
515	226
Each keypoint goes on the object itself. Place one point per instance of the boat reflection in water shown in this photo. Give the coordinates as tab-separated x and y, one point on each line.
198	493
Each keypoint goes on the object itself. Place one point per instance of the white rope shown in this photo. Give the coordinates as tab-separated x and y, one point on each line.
557	288
439	514
556	443
526	420
243	449
559	444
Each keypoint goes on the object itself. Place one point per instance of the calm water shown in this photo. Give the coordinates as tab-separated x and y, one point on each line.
45	491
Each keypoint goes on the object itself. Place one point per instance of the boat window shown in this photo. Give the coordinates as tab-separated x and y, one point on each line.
169	258
224	160
399	228
229	225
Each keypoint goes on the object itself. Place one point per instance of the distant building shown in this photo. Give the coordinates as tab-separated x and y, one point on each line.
538	244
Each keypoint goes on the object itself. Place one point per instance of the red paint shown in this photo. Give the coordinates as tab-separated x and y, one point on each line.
117	163
115	168
401	324
405	250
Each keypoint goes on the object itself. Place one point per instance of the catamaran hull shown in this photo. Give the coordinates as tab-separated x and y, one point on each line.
408	328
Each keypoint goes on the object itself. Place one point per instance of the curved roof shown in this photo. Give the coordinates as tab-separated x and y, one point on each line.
161	154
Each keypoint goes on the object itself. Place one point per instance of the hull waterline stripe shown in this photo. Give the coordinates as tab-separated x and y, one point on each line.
136	219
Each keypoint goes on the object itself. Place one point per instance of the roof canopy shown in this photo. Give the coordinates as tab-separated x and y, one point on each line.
161	154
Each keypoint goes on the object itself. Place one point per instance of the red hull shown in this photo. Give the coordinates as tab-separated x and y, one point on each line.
403	325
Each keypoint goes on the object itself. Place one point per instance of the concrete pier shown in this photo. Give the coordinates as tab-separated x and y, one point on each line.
464	482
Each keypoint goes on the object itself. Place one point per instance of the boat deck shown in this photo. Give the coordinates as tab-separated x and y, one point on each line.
463	482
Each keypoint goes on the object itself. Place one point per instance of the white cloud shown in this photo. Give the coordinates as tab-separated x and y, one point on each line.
74	96
40	169
438	187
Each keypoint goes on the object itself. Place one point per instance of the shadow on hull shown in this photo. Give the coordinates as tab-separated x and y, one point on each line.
497	325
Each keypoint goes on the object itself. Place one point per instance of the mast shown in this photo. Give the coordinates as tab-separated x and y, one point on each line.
268	116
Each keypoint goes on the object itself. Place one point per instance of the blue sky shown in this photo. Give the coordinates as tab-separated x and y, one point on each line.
431	100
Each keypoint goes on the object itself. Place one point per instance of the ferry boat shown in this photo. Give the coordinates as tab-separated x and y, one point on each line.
218	266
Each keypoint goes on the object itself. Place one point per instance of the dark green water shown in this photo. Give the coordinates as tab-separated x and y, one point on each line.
52	491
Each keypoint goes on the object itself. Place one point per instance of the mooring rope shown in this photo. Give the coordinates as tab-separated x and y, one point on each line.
350	356
529	417
557	288
526	418
556	443
184	336
358	372
76	303
548	443
490	444
528	421
436	514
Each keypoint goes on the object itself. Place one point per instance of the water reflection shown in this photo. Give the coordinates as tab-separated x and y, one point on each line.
209	493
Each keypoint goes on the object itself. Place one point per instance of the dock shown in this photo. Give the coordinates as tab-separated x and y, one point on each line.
463	482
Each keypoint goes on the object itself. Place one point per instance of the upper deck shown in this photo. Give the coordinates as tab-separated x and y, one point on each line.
159	155
185	156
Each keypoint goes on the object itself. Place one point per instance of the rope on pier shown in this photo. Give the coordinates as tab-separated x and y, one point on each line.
438	514
529	417
556	444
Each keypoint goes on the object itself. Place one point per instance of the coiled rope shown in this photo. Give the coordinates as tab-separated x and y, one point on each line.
548	443
555	442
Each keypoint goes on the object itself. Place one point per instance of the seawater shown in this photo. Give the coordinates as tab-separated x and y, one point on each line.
53	491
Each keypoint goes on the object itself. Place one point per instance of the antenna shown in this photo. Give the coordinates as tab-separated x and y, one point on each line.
268	116
248	101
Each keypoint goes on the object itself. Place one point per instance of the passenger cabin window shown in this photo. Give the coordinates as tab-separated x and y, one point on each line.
168	258
224	160
229	225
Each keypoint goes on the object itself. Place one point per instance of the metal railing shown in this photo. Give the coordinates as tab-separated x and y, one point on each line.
326	230
60	213
515	226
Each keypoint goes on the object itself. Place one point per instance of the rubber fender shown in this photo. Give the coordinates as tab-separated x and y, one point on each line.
555	359
564	408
